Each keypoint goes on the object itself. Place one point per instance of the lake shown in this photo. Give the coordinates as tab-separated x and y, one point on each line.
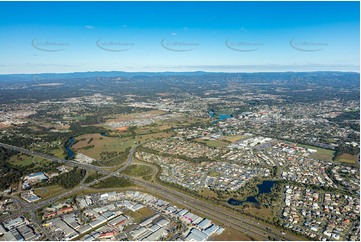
211	113
264	187
68	150
224	116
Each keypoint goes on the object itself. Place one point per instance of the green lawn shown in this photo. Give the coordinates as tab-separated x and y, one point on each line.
92	176
213	173
140	215
58	152
80	118
321	154
138	170
212	143
49	191
234	138
26	160
346	158
110	144
113	182
264	213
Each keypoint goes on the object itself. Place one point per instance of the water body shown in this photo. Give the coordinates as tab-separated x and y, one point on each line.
264	187
224	116
211	113
68	145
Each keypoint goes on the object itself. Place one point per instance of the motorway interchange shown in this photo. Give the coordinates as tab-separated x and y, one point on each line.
254	229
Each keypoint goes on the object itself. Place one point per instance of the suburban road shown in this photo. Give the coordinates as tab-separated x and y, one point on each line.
255	229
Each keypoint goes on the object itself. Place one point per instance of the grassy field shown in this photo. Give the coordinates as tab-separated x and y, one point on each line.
230	235
212	143
21	160
113	182
155	127
101	143
321	154
213	173
116	161
234	138
330	140
346	158
158	126
263	213
49	191
110	144
93	144
92	176
126	117
140	215
58	152
80	118
138	170
25	160
208	193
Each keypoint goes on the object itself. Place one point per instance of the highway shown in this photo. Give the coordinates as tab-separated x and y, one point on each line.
255	229
56	159
230	219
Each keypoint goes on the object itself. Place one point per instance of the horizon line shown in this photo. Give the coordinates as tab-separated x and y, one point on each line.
198	71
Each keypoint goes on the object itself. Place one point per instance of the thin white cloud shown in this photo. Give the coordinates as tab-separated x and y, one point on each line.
89	27
48	65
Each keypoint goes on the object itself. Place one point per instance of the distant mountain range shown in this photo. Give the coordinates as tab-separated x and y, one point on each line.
94	74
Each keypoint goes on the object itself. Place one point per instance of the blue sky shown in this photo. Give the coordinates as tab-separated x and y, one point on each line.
38	37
